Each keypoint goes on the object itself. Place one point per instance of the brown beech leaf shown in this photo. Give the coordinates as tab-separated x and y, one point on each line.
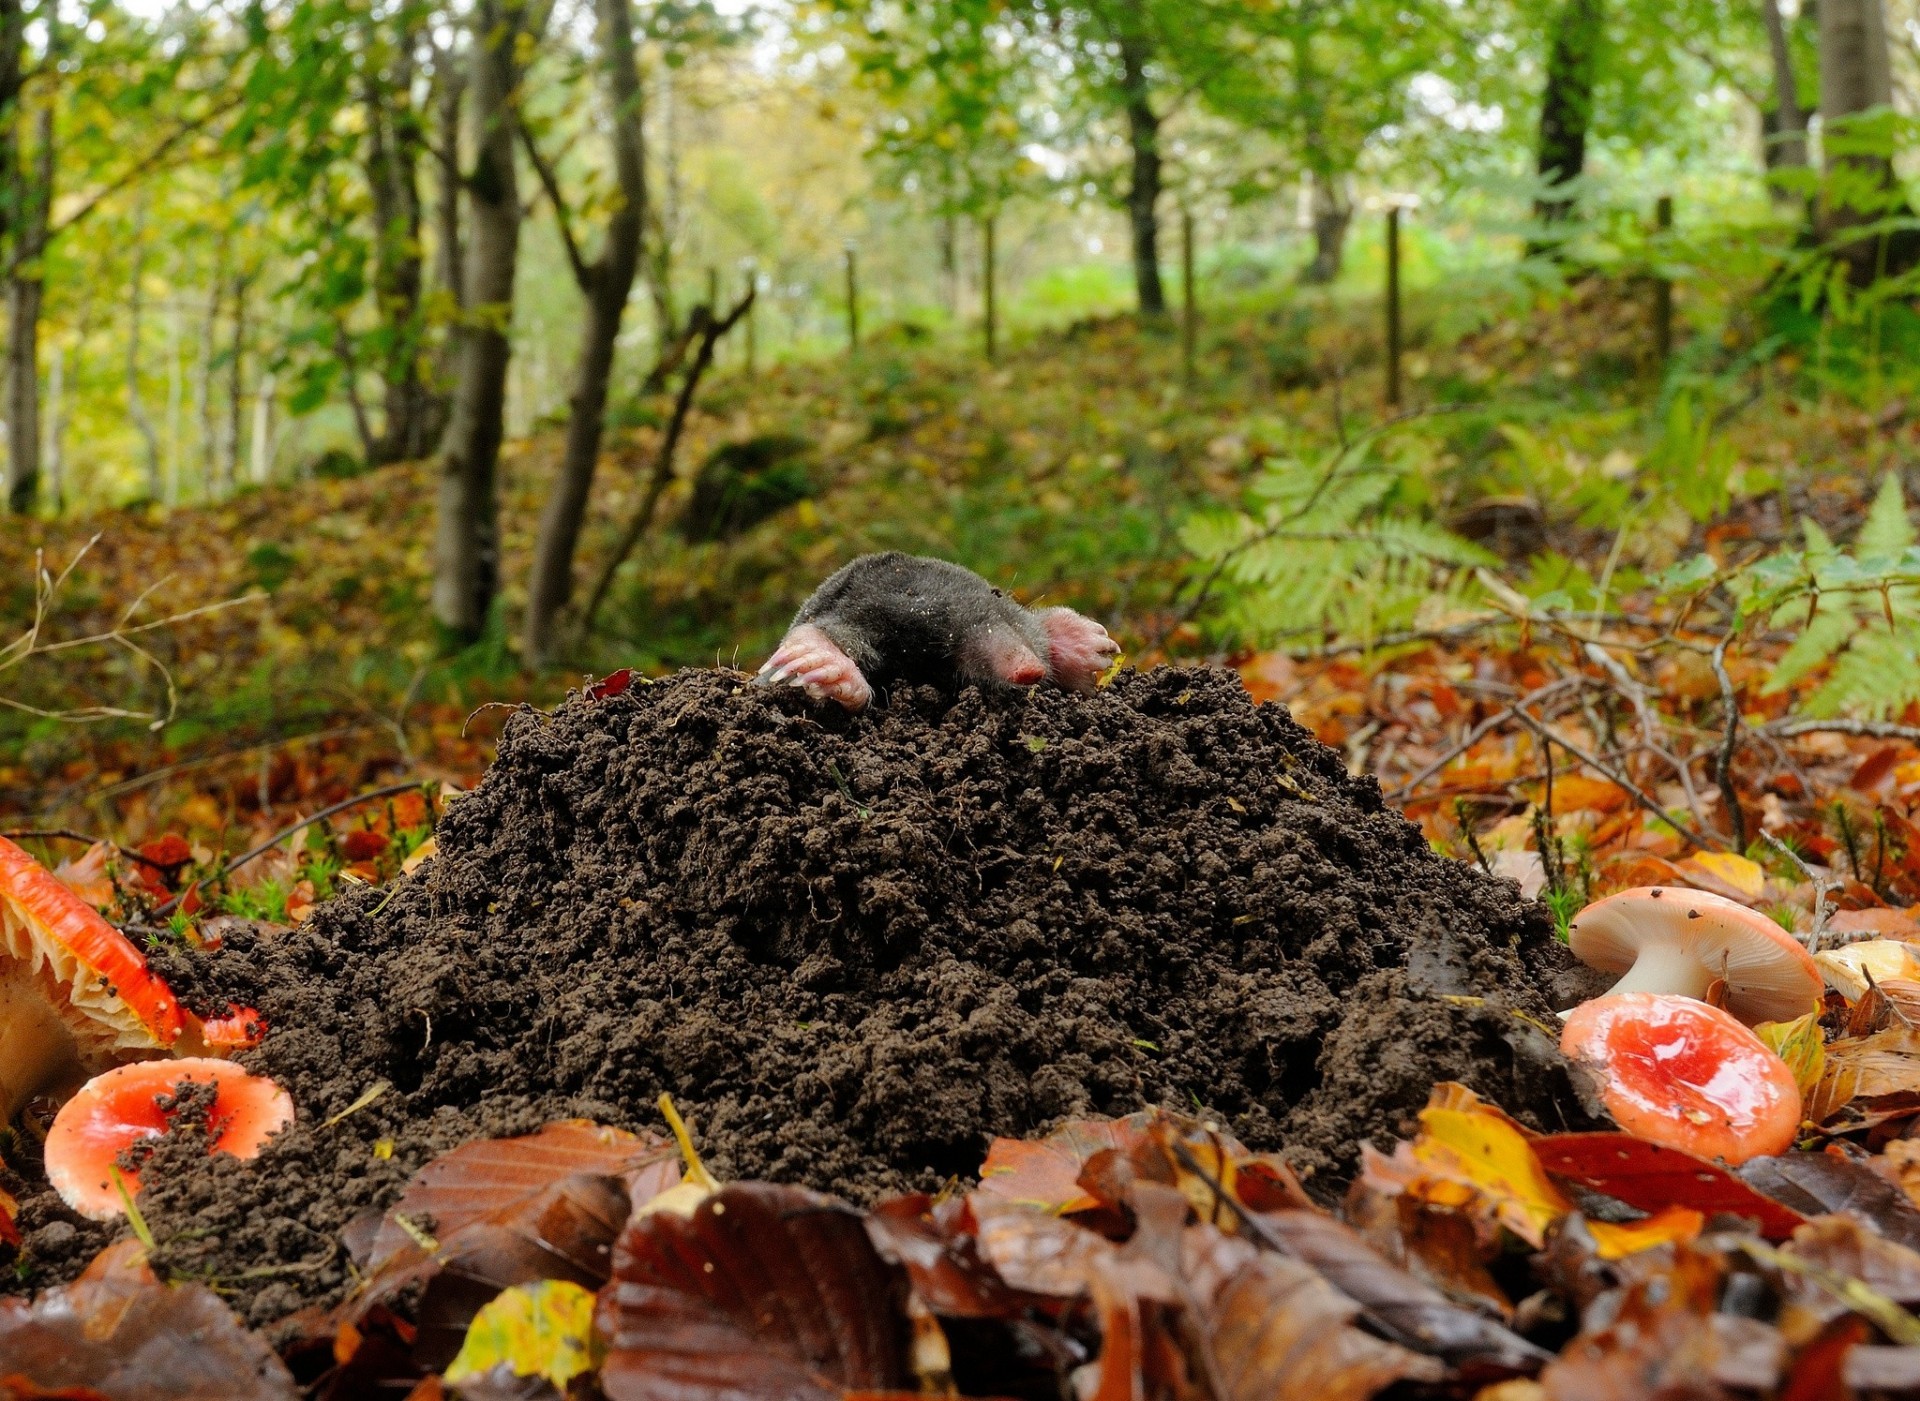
1039	1253
133	1339
1046	1172
503	1212
1659	1342
1276	1331
763	1292
936	1247
1815	1184
506	1181
1404	1308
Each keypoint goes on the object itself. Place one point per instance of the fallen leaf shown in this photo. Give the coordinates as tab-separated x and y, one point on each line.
613	684
543	1329
128	1337
1398	1305
1658	1342
1665	1227
1801	1044
1046	1173
1727	874
1578	793
419	856
1851	970
1651	1178
1886	924
1486	1150
507	1212
1277	1331
1821	1183
88	877
763	1292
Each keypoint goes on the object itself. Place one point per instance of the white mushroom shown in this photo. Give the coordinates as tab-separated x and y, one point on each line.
1674	940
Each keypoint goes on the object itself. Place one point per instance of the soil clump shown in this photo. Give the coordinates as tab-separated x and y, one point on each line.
854	948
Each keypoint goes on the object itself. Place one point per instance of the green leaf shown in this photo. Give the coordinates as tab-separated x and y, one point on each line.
1886	530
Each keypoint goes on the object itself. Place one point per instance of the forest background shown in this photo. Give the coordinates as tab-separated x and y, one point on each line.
409	356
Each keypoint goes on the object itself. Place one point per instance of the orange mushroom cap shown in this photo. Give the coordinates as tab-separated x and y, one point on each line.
74	993
1671	939
1680	1073
114	1111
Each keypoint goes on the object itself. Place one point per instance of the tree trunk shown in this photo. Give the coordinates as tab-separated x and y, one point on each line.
205	440
1332	208
449	250
57	429
1143	192
1859	185
1566	105
260	451
606	286
136	406
1787	146
25	293
467	527
396	141
236	383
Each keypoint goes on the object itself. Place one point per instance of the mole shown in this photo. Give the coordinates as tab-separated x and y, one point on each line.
897	619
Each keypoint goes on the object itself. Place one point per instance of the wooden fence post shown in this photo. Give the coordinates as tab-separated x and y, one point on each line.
1662	287
853	302
1190	305
989	290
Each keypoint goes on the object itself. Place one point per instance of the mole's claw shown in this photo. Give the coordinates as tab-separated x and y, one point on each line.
1080	649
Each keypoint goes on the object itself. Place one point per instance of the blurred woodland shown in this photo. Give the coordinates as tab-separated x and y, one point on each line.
407	356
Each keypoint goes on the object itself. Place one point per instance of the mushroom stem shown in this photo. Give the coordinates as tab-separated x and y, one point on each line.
37	1053
1665	967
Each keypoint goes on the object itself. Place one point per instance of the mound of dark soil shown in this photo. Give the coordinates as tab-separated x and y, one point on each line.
854	948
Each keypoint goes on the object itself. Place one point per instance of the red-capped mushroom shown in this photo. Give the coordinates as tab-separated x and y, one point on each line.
1670	939
1685	1075
114	1111
75	995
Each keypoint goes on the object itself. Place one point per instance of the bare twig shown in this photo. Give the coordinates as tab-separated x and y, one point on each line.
1480	731
270	843
62	834
1873	729
710	332
1638	794
1823	886
1723	766
1651	733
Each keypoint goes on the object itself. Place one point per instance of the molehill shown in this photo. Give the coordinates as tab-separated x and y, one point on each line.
854	948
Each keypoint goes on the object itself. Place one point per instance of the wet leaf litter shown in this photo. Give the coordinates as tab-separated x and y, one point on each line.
857	948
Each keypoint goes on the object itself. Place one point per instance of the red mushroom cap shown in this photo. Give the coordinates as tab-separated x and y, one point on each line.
74	993
1683	1074
114	1111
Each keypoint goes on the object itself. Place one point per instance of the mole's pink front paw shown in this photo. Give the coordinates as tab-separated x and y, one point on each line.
811	660
1080	648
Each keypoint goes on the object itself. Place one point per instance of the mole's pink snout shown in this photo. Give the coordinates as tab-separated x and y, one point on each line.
1026	670
1080	648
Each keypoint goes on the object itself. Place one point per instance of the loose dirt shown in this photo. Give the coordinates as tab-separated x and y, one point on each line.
854	948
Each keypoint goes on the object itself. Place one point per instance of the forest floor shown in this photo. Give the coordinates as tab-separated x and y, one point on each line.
1593	718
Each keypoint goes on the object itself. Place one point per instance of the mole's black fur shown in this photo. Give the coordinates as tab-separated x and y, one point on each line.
911	620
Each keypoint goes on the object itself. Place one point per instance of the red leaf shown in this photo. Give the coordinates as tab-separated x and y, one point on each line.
363	845
1649	1177
764	1292
611	685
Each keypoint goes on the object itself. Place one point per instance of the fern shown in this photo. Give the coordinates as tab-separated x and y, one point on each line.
1856	612
1320	551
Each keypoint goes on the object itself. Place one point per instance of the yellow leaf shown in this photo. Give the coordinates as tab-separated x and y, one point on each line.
543	1329
1801	1044
1674	1223
1743	875
1486	1150
420	855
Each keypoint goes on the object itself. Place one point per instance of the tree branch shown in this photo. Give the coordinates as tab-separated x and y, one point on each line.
582	274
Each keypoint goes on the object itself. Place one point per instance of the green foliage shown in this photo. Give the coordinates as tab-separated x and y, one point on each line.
1320	550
